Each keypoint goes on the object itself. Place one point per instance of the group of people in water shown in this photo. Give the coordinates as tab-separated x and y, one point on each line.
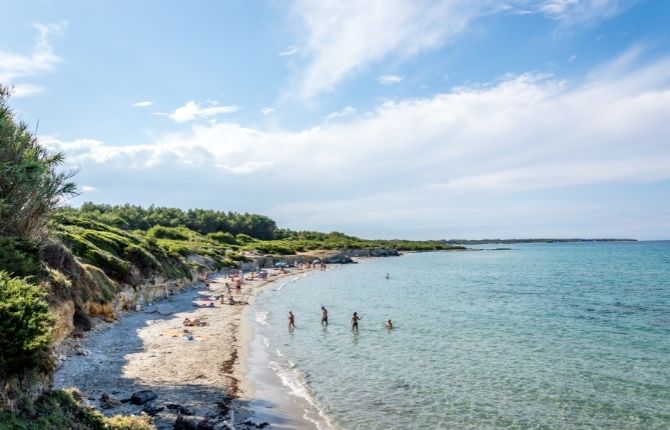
324	320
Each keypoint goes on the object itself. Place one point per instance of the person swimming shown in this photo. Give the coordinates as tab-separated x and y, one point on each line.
324	316
291	320
354	321
388	325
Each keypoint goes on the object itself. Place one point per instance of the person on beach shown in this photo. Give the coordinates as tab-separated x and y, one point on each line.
291	320
389	325
324	316
354	321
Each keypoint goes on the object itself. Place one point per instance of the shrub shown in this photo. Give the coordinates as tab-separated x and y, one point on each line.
223	237
25	325
63	410
19	257
174	233
243	238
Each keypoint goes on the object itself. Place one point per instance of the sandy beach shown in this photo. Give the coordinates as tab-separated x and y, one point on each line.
197	372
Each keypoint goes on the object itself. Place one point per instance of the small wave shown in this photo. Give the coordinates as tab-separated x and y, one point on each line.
294	380
262	318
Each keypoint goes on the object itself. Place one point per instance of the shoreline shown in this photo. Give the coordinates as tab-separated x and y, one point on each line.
204	370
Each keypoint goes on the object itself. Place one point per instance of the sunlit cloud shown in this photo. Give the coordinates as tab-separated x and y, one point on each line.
389	79
290	50
26	90
192	111
144	103
343	38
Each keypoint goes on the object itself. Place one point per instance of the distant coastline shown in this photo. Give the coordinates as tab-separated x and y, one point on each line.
509	241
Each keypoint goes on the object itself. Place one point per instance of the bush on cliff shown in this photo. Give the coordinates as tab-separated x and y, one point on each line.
25	325
31	186
64	410
19	257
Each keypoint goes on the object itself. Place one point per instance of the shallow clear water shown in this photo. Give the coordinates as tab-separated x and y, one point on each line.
541	336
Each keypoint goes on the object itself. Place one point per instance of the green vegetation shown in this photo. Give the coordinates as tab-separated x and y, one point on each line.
129	217
30	185
25	325
63	410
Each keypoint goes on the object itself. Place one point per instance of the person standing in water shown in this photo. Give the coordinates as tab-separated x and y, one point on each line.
354	321
291	320
324	316
389	325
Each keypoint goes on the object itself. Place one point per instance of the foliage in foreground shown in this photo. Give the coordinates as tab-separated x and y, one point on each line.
31	186
25	325
63	410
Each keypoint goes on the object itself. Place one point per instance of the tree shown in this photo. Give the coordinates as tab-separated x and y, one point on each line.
31	185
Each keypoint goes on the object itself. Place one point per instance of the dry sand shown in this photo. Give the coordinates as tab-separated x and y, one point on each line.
203	369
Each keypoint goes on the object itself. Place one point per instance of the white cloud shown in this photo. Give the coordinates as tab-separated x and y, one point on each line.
144	103
192	111
267	111
418	159
26	90
41	60
389	79
342	38
290	50
583	10
88	189
349	110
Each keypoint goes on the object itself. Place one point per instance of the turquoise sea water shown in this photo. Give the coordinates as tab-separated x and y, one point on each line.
546	336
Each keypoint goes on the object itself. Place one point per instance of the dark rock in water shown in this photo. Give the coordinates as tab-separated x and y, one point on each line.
179	409
262	425
185	424
152	410
141	397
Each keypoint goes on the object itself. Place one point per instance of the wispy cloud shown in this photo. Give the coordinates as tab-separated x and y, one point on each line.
267	111
389	79
583	10
88	189
349	110
192	111
26	90
342	38
144	103
41	60
290	50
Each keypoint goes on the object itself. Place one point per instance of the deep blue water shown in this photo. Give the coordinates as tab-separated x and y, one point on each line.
550	336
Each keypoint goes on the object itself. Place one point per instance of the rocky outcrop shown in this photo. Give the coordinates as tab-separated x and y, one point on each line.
343	256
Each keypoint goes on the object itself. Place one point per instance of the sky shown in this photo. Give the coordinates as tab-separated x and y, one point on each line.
380	118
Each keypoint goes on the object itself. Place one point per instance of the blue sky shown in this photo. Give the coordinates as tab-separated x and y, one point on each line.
383	118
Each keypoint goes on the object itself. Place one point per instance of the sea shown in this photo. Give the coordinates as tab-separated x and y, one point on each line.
537	336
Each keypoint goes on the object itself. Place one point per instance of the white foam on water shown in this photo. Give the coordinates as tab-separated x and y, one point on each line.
262	318
294	380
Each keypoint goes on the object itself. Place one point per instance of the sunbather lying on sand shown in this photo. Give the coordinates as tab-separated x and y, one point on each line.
194	323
